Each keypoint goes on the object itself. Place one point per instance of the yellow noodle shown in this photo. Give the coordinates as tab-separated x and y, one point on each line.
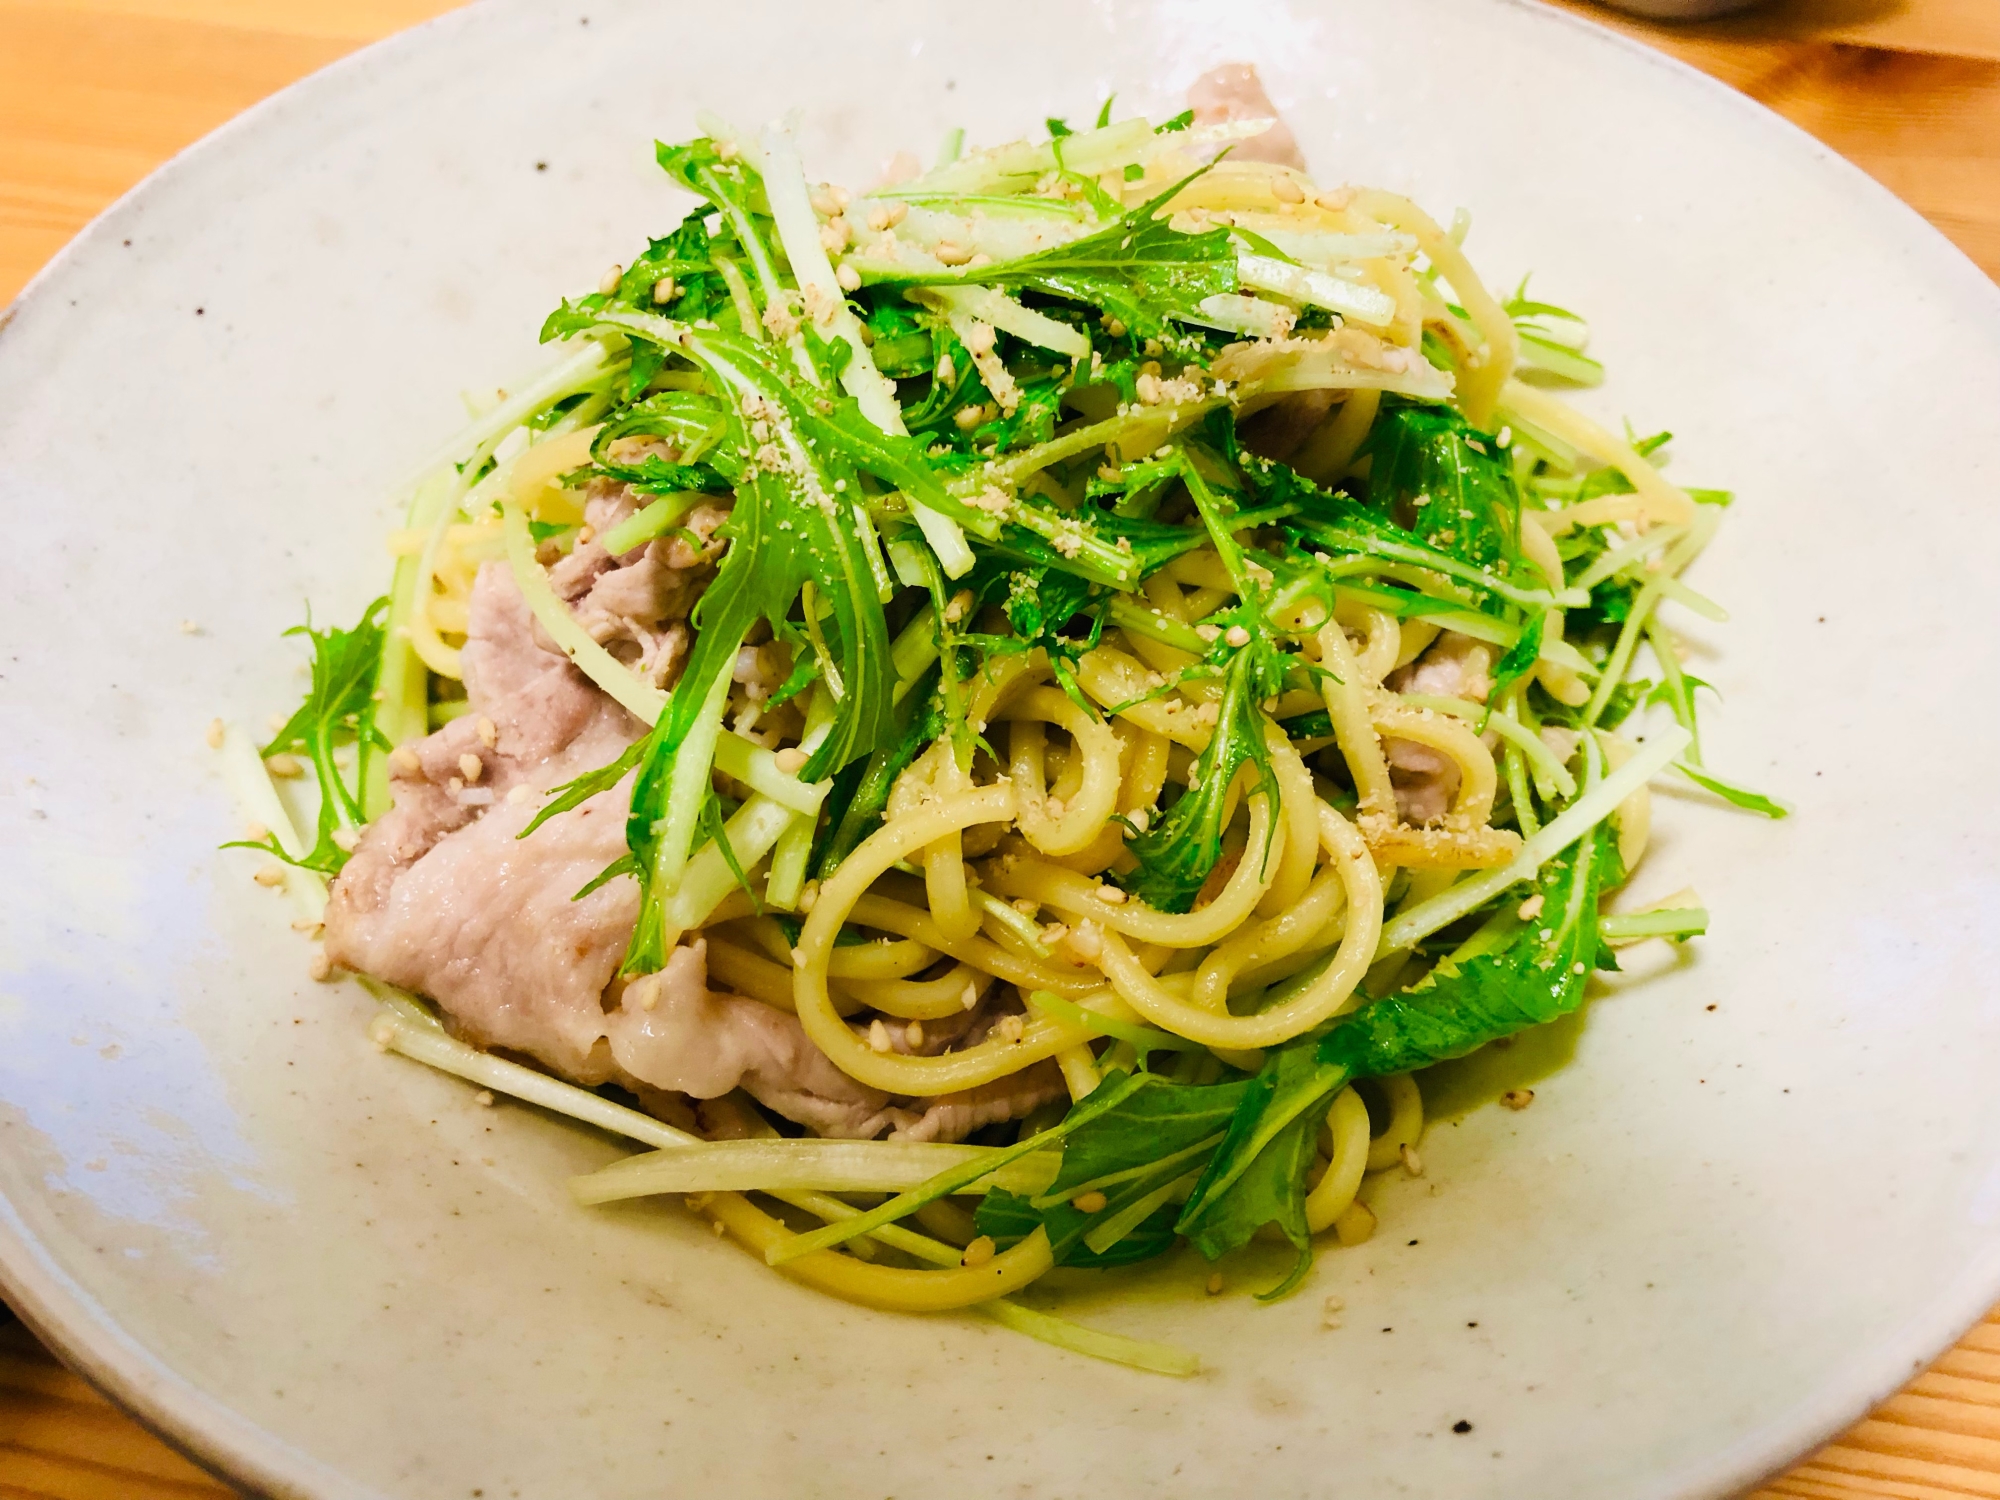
994	1058
892	1288
1347	1121
1382	637
1067	891
1406	1121
1332	447
1635	814
1319	1001
1118	683
1486	373
922	999
1659	501
1477	779
1086	810
1353	729
1284	934
1297	804
981	953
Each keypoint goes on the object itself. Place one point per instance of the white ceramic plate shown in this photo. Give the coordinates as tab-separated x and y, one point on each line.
1761	1193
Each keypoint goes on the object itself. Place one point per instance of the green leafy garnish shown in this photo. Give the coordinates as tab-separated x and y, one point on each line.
339	711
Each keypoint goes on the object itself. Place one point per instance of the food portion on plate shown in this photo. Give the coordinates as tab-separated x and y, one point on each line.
1009	712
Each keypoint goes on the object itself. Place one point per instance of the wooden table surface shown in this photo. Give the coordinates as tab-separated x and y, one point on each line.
95	93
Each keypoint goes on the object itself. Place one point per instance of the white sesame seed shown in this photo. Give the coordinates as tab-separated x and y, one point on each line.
488	732
952	254
1111	894
1287	190
791	759
971	996
1518	1098
284	767
978	1253
1011	1027
271	874
913	1034
848	277
214	734
470	767
897	212
320	966
664	291
404	759
608	282
519	794
957	607
979	337
1237	636
484	1098
1412	1163
946	374
1086	943
1531	908
346	838
1209	632
878	1036
834	235
809	896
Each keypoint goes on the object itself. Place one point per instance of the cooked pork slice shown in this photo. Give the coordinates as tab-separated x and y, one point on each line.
1235	92
674	1032
1426	781
1453	666
636	605
953	1117
443	897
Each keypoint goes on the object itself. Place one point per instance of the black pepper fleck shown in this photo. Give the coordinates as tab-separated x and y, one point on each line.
1461	1425
541	166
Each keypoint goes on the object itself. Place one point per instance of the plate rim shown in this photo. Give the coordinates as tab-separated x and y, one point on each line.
59	1311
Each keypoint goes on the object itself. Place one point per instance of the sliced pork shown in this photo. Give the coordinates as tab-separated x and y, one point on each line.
1426	781
1235	92
442	896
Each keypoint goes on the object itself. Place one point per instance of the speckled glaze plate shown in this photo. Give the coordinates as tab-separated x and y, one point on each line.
1754	1192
